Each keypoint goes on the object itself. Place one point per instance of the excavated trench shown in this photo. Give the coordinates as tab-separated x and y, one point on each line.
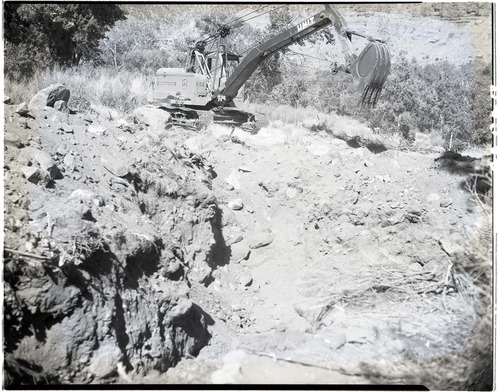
110	293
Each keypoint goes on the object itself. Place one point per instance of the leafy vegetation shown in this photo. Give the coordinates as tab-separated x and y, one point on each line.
41	35
448	102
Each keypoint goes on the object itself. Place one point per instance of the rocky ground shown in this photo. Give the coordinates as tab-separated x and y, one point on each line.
138	251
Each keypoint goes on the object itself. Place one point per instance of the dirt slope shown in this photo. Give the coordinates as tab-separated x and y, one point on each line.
354	259
131	244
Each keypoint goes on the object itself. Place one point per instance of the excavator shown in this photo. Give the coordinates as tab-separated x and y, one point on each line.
207	89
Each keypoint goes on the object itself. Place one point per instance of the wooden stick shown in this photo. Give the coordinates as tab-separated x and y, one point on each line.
335	369
26	254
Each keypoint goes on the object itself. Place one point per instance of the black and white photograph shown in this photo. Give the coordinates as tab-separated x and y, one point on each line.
249	195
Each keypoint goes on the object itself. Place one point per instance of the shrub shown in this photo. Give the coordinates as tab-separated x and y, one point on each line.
449	102
40	35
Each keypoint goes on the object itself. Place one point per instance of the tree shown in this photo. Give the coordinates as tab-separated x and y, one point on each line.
47	34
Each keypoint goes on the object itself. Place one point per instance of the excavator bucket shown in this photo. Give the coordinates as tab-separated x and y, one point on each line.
371	68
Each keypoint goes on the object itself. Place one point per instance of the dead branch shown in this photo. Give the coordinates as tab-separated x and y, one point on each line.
25	254
316	365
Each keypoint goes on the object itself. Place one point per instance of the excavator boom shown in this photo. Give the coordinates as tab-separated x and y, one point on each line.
259	54
371	68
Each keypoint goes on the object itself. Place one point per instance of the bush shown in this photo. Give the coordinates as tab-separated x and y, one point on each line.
40	35
446	101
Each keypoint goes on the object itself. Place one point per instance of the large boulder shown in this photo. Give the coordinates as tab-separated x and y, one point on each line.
49	96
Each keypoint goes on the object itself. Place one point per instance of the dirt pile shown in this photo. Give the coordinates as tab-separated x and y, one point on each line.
106	226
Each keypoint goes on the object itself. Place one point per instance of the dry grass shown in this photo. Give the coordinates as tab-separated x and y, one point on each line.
341	127
471	368
24	90
99	89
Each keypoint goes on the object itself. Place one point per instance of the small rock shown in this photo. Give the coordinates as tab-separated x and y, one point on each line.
61	106
62	150
261	239
29	246
239	252
385	178
228	216
368	164
221	315
246	280
12	139
235	238
82	195
291	192
121	123
69	161
15	198
396	218
105	359
452	245
96	129
47	163
244	169
115	165
433	197
99	202
7	100
236	204
44	159
281	326
22	109
153	117
445	203
32	174
233	179
67	130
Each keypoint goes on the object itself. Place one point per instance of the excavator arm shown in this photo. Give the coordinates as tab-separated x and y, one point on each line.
371	68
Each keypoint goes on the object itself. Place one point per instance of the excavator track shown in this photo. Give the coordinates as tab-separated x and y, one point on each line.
200	119
181	115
